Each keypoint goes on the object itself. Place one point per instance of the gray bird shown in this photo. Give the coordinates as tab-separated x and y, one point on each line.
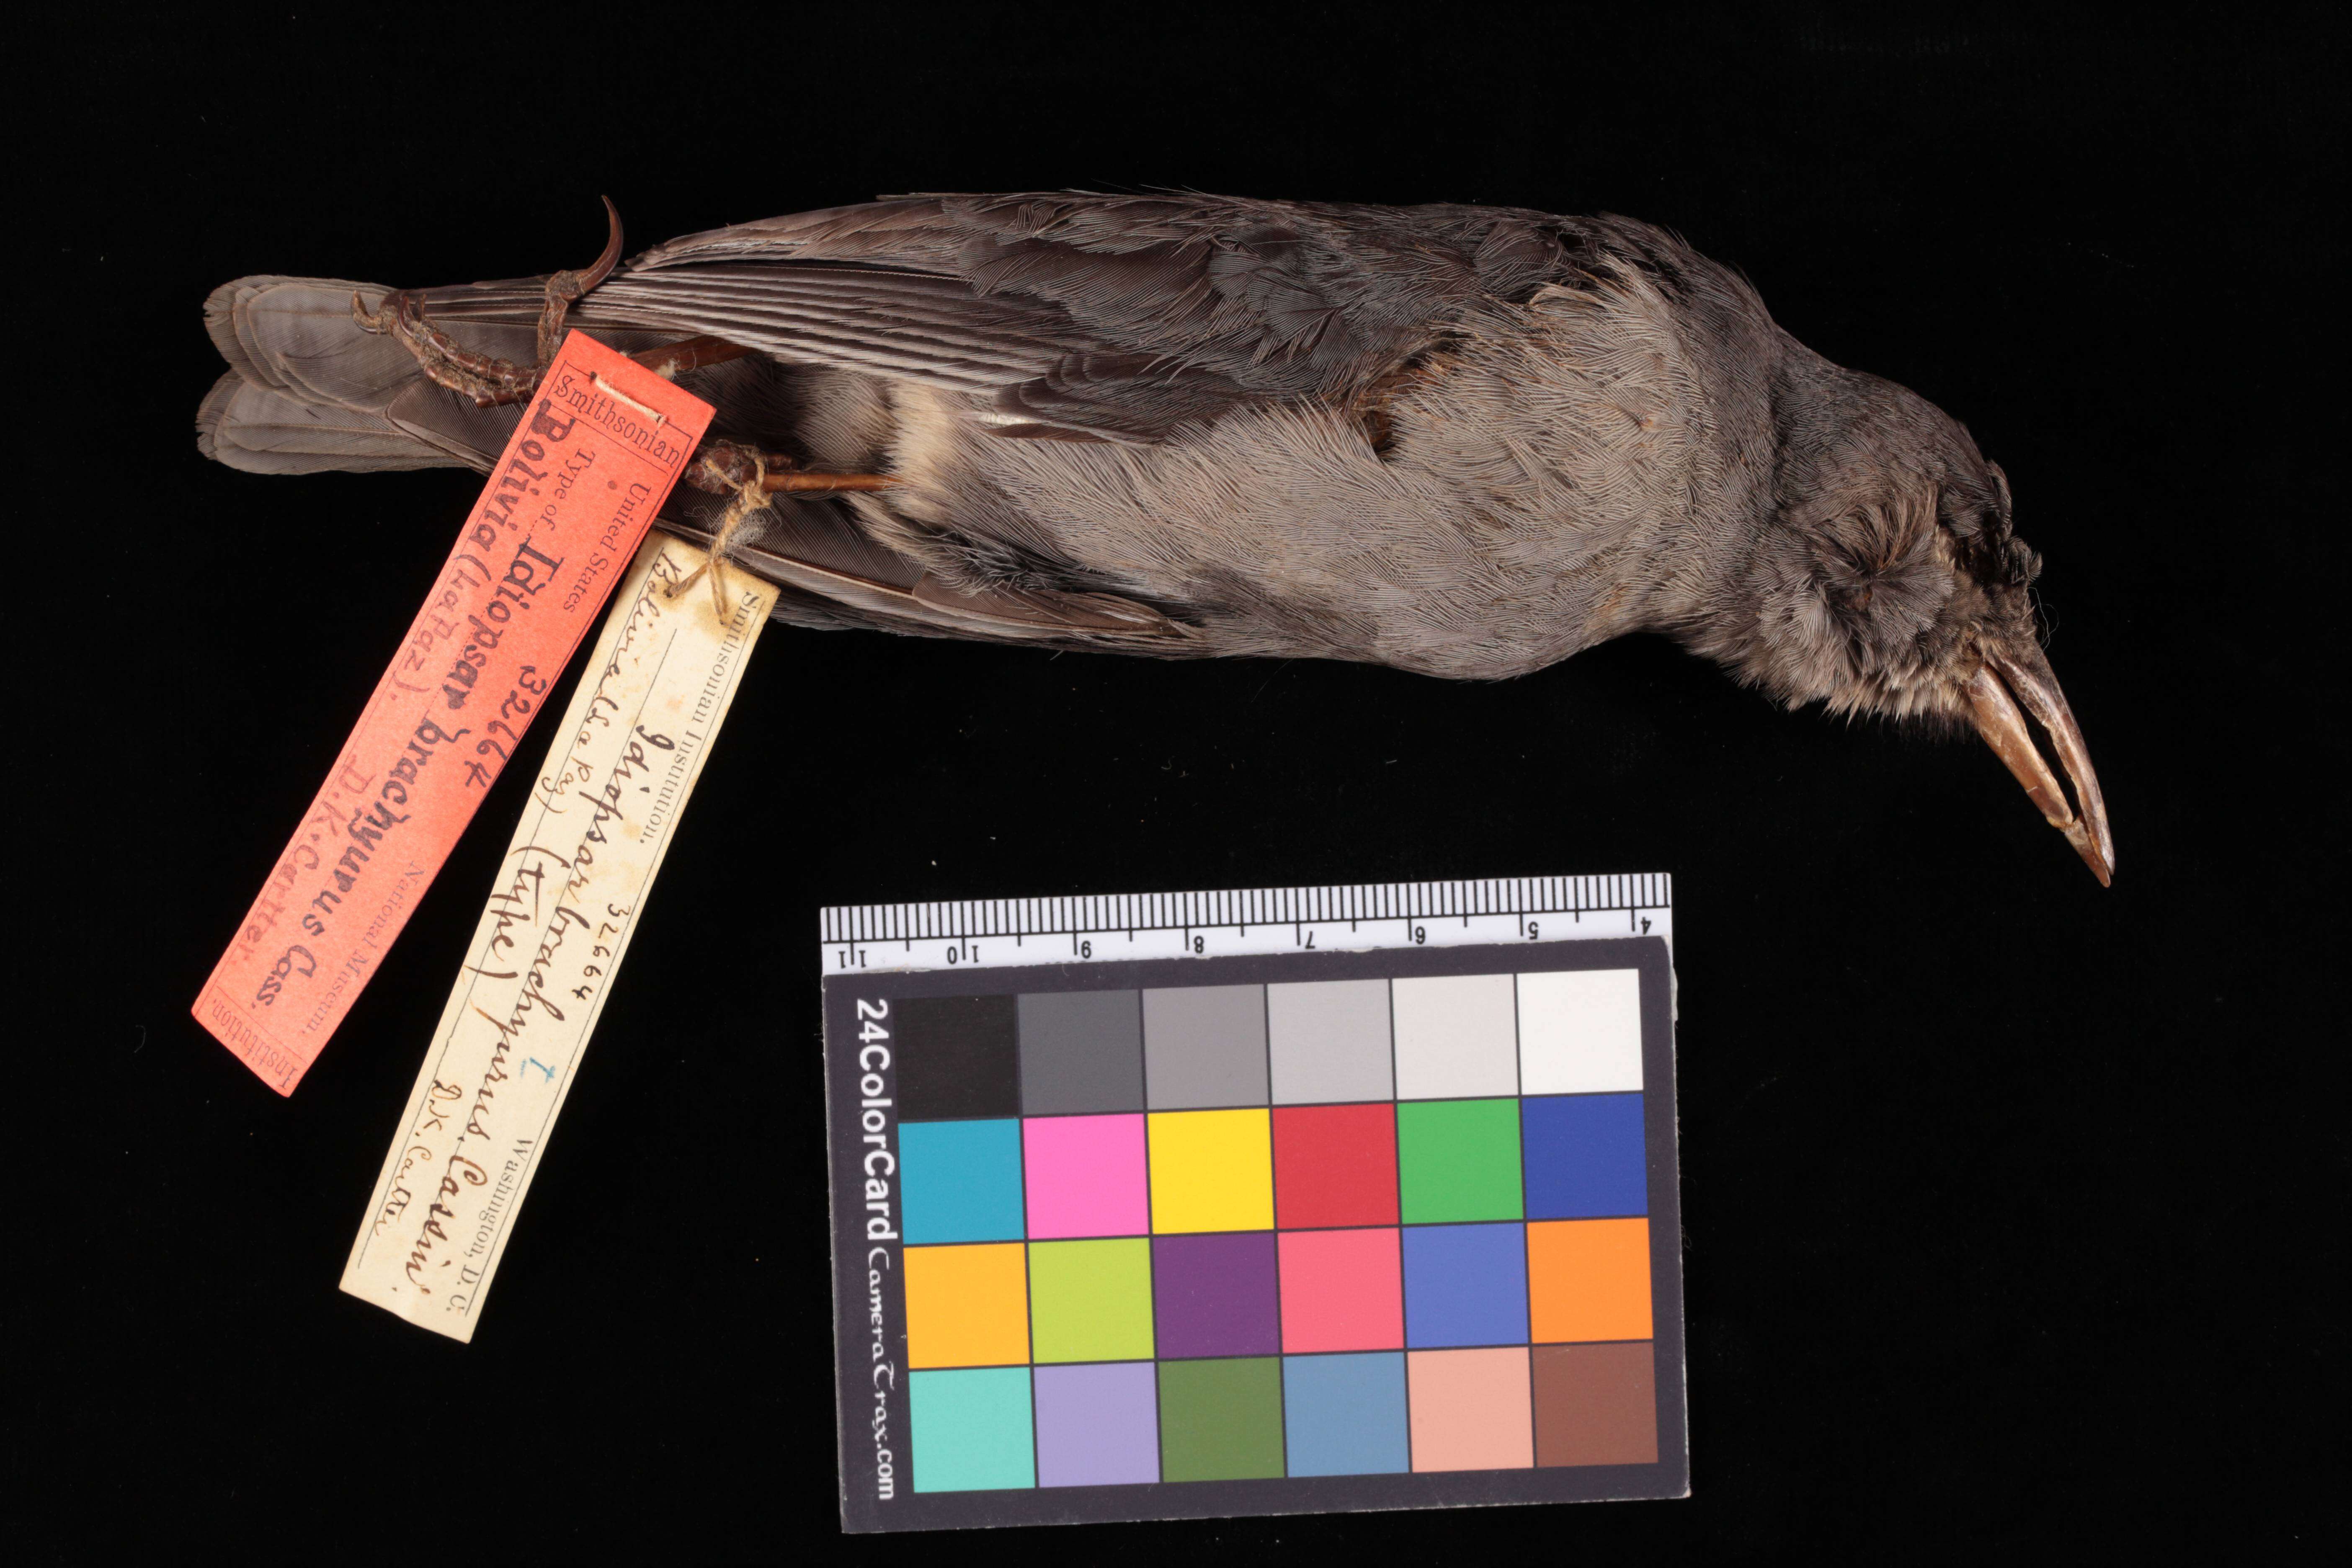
1465	441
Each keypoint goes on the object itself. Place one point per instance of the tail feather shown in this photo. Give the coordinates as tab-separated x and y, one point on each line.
250	426
309	389
295	335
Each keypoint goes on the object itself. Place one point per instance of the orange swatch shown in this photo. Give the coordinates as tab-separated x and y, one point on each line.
968	1306
592	460
1589	1279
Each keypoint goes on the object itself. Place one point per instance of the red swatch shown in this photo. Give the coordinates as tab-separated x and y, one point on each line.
1335	1165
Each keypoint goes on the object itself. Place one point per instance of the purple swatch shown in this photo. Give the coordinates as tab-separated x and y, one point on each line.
1215	1295
1098	1425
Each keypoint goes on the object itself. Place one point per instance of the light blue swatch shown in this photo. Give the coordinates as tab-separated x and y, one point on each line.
961	1180
1345	1414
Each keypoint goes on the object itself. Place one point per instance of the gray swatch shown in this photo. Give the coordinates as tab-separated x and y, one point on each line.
1081	1052
1328	1040
1204	1045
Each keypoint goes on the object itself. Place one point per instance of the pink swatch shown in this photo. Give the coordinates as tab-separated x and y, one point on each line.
1085	1175
1341	1291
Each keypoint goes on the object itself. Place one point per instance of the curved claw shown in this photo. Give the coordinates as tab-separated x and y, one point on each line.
565	288
384	317
568	285
602	267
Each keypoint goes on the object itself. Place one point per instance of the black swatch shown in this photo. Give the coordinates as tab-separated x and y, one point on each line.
959	1057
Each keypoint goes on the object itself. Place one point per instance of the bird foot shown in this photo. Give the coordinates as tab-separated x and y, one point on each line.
489	381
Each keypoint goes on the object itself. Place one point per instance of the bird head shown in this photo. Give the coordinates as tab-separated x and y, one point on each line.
1890	582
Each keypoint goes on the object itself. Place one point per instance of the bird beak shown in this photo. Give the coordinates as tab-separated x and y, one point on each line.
2014	676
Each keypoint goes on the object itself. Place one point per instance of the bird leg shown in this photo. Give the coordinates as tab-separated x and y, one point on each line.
671	361
752	475
723	466
491	381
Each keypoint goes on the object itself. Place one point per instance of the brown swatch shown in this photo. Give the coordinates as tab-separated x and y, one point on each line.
1596	1405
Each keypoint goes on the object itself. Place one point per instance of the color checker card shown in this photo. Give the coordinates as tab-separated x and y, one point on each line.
1268	1233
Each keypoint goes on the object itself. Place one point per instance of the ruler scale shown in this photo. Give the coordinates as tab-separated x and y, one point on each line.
1125	927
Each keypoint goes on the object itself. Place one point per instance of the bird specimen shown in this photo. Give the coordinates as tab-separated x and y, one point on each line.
1463	441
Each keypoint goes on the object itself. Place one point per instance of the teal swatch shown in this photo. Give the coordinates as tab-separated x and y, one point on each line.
972	1430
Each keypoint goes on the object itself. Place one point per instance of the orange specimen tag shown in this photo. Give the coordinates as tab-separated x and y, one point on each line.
599	446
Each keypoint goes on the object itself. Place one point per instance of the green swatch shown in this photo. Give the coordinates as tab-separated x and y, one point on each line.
1458	1160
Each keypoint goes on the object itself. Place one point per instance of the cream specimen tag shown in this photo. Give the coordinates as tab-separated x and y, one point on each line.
551	936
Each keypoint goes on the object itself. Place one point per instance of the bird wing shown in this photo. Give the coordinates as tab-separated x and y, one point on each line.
1116	318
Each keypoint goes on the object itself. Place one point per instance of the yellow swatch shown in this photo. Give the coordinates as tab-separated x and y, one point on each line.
1212	1170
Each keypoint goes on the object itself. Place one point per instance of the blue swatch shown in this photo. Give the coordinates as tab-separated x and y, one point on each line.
1464	1285
1583	1154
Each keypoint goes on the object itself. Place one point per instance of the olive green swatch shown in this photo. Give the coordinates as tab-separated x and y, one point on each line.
1221	1420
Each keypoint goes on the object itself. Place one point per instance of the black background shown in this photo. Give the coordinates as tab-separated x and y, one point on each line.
2008	1201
